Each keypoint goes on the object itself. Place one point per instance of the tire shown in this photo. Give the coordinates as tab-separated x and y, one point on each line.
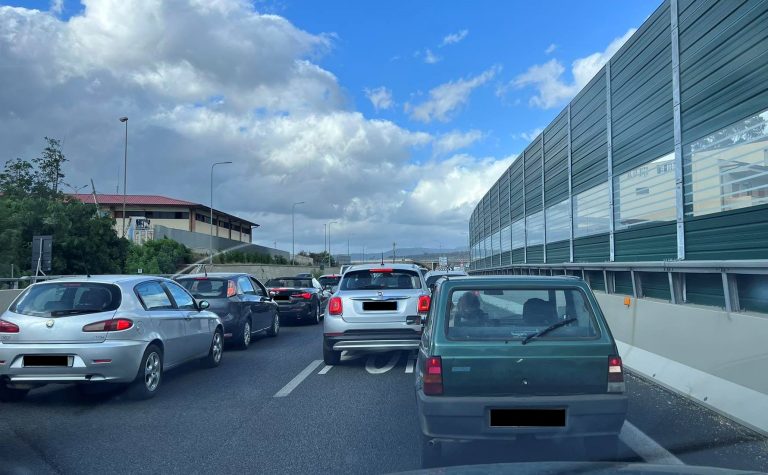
316	319
602	448
330	356
245	337
12	394
275	328
150	375
214	353
431	453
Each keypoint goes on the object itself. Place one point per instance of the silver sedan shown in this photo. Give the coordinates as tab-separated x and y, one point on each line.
103	329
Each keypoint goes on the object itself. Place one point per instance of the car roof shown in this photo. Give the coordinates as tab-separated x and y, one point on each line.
223	275
398	266
445	272
106	279
330	275
517	279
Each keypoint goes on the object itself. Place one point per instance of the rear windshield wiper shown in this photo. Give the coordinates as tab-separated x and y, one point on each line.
544	331
82	311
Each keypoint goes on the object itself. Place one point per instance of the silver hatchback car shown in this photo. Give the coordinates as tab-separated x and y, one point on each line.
375	307
103	329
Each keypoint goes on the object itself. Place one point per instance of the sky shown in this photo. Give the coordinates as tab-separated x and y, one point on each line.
391	118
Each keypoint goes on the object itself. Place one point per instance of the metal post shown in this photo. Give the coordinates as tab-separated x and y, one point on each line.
125	167
330	256
570	189
609	134
293	231
679	197
543	204
210	258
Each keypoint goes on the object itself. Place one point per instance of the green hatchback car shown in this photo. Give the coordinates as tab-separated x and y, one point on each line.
504	357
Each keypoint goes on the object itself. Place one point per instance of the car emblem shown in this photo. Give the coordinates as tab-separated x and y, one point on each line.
49	323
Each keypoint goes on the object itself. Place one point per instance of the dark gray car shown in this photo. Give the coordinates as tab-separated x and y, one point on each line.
240	300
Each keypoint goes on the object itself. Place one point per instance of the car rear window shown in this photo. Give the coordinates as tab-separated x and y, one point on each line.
204	287
508	314
329	280
63	299
380	279
290	282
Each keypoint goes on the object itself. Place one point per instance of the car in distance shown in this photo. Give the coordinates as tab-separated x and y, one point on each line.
377	306
298	298
330	281
305	275
240	300
104	329
504	357
433	275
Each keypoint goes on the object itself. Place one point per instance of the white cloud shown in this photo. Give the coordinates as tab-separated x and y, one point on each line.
528	136
177	70
551	88
550	49
455	140
380	97
430	57
454	38
446	98
57	7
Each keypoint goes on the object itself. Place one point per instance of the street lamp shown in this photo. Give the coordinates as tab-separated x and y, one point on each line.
125	167
293	231
210	259
330	254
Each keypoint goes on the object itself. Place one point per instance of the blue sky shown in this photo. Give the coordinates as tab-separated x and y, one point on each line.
392	118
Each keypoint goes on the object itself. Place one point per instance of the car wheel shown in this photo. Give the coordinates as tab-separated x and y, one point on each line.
12	394
431	452
330	356
150	375
602	448
275	328
245	338
316	318
214	354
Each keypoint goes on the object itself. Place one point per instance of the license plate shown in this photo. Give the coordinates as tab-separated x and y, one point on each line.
527	417
46	360
379	306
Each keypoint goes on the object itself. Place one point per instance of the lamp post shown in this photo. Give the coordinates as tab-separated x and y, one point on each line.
125	167
293	231
330	254
210	259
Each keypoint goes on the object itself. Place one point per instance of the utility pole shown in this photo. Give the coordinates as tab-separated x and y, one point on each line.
125	167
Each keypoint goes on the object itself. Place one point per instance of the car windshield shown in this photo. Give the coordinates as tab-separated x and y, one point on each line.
205	287
380	279
506	314
68	298
290	282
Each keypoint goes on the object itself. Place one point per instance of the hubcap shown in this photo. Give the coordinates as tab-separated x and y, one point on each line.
247	334
216	347
152	371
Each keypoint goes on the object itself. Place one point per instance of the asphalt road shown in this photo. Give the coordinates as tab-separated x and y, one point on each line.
257	414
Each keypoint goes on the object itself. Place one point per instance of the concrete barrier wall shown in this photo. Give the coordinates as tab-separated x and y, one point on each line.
266	272
715	357
6	297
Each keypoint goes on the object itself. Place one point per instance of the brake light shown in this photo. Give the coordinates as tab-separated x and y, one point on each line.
114	325
335	306
8	327
304	295
380	270
433	376
231	289
424	302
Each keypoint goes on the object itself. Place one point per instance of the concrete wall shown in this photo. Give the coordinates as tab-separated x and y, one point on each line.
199	241
715	357
266	272
6	297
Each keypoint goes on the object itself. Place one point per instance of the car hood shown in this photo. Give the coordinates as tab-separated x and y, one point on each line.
553	468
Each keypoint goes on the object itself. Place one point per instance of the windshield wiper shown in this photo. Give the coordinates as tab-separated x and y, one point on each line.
544	331
83	311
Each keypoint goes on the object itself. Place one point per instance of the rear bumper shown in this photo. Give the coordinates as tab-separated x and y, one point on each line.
298	310
379	340
124	355
468	418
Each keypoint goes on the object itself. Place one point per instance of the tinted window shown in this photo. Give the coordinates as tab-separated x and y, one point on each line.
153	296
258	289
59	299
516	313
245	285
184	301
290	282
329	281
379	279
203	287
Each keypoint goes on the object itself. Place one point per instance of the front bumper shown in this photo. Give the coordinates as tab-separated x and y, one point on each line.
124	355
468	418
379	340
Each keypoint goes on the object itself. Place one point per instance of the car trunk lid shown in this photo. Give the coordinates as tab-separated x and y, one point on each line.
382	306
56	328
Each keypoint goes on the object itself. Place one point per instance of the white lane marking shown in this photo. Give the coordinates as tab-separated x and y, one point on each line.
645	447
298	379
325	369
370	365
410	364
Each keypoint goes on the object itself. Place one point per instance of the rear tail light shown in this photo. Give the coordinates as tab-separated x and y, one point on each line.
114	325
424	301
335	306
615	375
231	288
304	295
433	376
8	327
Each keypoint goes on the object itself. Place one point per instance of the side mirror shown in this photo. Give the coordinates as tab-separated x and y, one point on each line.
203	305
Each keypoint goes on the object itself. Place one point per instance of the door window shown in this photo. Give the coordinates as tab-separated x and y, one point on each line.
258	289
153	296
245	286
183	300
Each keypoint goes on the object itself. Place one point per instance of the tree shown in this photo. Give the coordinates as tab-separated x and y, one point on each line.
49	174
17	178
162	256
